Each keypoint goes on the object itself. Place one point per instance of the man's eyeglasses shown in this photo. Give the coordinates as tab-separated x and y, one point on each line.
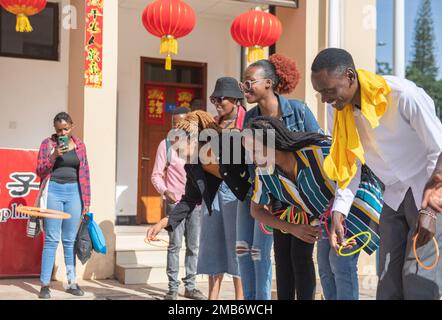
248	84
217	100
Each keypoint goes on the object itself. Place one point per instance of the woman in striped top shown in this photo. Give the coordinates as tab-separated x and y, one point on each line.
296	177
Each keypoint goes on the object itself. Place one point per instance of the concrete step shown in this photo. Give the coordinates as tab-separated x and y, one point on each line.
153	258
150	257
140	229
126	241
141	263
156	273
143	274
157	258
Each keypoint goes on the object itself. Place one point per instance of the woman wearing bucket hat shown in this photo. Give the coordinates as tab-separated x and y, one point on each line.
227	98
218	231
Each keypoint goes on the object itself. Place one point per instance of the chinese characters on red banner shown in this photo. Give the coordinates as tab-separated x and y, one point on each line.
93	73
19	255
184	97
155	105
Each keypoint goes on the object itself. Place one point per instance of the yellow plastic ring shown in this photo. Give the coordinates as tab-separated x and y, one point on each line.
44	213
357	250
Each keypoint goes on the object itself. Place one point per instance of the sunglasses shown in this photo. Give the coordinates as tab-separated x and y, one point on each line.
248	84
217	100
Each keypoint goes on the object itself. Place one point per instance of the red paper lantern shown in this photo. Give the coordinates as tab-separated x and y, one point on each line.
23	9
169	20
255	30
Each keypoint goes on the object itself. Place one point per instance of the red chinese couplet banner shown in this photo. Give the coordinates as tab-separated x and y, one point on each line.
155	98
19	254
184	97
93	73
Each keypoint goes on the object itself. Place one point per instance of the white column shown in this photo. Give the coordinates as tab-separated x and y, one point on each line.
399	38
334	24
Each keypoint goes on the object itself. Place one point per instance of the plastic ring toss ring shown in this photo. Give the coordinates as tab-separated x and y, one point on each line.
419	261
368	234
44	213
156	242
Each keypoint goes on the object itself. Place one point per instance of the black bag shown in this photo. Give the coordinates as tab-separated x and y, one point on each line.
83	243
34	226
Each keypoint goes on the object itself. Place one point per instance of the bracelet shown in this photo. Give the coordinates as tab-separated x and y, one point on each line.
427	212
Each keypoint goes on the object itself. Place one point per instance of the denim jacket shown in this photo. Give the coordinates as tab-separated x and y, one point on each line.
295	115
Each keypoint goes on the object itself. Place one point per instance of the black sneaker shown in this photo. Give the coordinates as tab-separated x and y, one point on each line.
171	295
75	290
194	294
45	293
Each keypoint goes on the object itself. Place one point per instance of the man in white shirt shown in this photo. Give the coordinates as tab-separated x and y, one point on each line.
433	189
400	140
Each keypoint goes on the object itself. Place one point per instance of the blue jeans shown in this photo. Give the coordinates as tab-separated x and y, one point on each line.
65	198
190	228
255	265
339	275
217	253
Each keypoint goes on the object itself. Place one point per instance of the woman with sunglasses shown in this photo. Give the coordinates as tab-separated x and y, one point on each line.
265	82
217	254
227	98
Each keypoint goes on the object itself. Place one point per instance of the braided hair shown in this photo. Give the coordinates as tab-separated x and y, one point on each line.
197	121
285	140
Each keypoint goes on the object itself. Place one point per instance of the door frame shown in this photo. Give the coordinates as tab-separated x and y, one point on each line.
140	219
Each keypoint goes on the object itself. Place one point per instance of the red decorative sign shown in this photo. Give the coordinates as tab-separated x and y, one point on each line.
93	73
155	105
19	254
184	97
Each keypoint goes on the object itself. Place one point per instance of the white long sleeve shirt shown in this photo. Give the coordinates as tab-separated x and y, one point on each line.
402	151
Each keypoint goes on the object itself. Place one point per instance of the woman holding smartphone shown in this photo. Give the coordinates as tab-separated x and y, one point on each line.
65	186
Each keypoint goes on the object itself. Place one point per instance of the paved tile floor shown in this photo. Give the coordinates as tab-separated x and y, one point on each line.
27	289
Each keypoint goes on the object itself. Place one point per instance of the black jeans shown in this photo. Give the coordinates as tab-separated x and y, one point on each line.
295	270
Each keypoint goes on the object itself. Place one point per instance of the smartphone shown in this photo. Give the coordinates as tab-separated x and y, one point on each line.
63	141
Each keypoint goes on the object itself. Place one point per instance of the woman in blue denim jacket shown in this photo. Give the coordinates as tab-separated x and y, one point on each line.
264	83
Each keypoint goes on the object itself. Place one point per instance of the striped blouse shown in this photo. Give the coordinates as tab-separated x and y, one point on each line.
313	191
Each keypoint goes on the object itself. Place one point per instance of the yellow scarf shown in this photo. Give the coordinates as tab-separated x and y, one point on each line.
340	164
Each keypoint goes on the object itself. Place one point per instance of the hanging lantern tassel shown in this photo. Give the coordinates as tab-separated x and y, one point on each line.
255	53
23	24
168	63
169	45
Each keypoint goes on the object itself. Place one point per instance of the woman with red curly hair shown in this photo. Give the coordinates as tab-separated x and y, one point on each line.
264	83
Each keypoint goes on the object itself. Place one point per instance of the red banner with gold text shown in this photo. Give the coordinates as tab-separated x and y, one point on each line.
19	254
155	99
184	97
93	73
